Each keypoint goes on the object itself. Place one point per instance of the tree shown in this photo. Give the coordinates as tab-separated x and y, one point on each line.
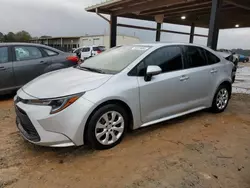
10	37
1	37
22	36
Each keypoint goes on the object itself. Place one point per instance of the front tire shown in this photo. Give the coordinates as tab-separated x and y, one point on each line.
221	99
107	126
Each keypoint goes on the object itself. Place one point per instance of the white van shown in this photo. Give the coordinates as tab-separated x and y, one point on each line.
86	52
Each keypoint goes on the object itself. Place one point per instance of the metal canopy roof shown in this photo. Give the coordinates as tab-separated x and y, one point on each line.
233	12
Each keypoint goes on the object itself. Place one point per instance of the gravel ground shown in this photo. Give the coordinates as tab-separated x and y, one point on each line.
242	82
201	150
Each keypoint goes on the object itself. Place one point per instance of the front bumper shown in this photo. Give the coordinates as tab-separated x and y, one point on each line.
62	129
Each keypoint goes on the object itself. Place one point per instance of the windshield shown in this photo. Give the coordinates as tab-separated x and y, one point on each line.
114	60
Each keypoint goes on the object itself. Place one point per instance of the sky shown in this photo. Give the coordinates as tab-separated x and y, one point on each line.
69	18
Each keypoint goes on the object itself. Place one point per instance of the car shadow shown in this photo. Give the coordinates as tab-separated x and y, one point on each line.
166	124
6	97
87	150
61	152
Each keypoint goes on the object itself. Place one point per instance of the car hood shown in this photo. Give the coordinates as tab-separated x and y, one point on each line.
64	82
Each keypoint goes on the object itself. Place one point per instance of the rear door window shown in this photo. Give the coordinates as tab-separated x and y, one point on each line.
195	57
4	57
27	53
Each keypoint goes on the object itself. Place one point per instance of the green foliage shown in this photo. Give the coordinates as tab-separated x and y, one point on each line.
1	37
10	37
242	52
21	36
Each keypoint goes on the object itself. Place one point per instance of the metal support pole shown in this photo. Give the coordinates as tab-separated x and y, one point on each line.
214	24
191	39
113	30
158	32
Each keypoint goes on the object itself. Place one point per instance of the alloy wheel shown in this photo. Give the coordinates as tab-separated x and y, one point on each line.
222	99
109	128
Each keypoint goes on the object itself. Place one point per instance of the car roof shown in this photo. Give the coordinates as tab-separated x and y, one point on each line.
19	43
29	44
159	44
162	44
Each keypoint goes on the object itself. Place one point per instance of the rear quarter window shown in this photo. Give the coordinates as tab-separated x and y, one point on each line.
50	52
211	58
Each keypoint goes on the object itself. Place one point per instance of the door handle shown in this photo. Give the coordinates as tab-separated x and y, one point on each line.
2	68
213	71
43	62
184	78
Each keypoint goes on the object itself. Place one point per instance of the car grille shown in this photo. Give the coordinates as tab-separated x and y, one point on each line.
18	99
25	125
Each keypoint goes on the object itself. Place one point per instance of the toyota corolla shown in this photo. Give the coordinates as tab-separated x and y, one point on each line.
127	87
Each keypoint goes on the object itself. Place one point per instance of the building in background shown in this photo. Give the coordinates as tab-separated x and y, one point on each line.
68	43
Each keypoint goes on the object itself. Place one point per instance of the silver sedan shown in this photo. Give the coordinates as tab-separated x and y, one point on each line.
123	88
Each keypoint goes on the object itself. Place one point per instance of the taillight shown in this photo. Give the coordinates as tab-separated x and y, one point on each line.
74	59
99	51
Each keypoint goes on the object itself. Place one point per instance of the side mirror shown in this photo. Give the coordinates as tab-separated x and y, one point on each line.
152	70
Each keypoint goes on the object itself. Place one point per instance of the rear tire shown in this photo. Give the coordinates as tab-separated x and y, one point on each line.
107	127
221	98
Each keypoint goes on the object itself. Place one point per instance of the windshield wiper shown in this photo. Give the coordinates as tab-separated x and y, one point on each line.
92	69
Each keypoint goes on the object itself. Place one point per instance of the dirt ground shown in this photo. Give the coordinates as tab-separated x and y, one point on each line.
201	150
244	64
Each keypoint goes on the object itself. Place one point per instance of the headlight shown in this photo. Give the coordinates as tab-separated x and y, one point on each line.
57	104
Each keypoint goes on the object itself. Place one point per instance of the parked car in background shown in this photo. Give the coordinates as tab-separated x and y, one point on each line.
243	59
126	87
234	59
235	56
22	62
86	52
